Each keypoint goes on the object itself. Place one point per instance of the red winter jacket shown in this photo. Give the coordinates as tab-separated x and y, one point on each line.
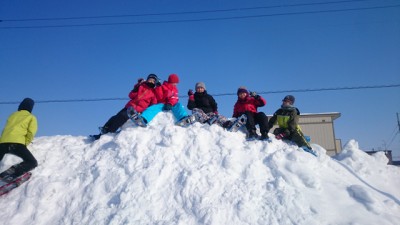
248	104
142	98
167	94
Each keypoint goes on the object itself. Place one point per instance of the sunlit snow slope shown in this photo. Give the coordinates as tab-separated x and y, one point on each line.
165	174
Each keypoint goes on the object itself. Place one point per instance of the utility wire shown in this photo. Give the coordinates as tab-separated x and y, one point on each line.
182	13
223	94
394	134
204	19
393	137
332	89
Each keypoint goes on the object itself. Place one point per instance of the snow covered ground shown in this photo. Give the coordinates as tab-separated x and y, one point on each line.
164	174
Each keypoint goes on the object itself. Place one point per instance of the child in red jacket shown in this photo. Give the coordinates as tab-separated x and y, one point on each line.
247	104
168	100
142	96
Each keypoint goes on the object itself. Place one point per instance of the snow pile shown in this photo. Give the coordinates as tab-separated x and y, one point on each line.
164	174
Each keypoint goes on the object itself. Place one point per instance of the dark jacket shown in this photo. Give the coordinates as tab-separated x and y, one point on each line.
203	101
286	117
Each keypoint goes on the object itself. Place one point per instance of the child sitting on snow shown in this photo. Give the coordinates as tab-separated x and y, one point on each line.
142	96
247	104
203	104
167	98
287	118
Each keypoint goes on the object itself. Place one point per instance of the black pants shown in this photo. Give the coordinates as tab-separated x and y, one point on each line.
257	118
116	121
29	162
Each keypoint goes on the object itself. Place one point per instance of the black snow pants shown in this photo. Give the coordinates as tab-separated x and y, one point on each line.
116	121
257	118
29	162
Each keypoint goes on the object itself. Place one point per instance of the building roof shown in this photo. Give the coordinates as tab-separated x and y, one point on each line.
334	115
396	163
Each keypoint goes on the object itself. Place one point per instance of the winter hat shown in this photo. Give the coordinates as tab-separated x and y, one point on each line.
152	75
242	89
289	97
200	84
173	78
26	104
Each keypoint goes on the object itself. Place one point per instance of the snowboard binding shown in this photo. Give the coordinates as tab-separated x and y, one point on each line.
135	117
238	123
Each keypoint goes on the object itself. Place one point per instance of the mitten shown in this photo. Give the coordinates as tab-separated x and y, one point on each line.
254	95
190	92
167	107
280	136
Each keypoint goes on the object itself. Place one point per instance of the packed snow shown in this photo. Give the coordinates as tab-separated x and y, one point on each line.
165	174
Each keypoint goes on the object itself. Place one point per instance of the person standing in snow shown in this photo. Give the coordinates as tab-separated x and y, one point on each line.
287	118
204	105
17	134
168	100
247	104
142	96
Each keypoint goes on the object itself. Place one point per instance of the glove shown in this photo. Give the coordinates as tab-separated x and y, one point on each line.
139	82
158	83
190	92
280	136
254	95
167	107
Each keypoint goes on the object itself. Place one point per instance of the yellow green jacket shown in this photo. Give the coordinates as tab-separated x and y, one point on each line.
286	117
21	127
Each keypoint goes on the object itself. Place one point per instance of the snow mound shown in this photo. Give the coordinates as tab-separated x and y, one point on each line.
165	174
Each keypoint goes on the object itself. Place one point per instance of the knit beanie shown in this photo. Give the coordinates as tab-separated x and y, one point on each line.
242	89
289	97
26	104
173	78
200	84
152	75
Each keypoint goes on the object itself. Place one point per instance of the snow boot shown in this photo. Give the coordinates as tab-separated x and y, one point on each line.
103	130
227	124
264	136
252	135
186	121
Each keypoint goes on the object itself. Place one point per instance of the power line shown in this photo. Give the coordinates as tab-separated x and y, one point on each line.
333	89
393	137
181	13
223	94
200	20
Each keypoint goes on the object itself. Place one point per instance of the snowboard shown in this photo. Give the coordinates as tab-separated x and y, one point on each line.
187	121
312	152
213	119
135	117
7	175
238	123
6	186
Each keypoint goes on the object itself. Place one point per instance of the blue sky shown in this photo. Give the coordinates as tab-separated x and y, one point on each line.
287	48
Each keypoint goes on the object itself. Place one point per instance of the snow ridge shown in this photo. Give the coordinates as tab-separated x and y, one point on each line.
165	174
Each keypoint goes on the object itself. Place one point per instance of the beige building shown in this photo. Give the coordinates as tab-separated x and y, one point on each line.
320	128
